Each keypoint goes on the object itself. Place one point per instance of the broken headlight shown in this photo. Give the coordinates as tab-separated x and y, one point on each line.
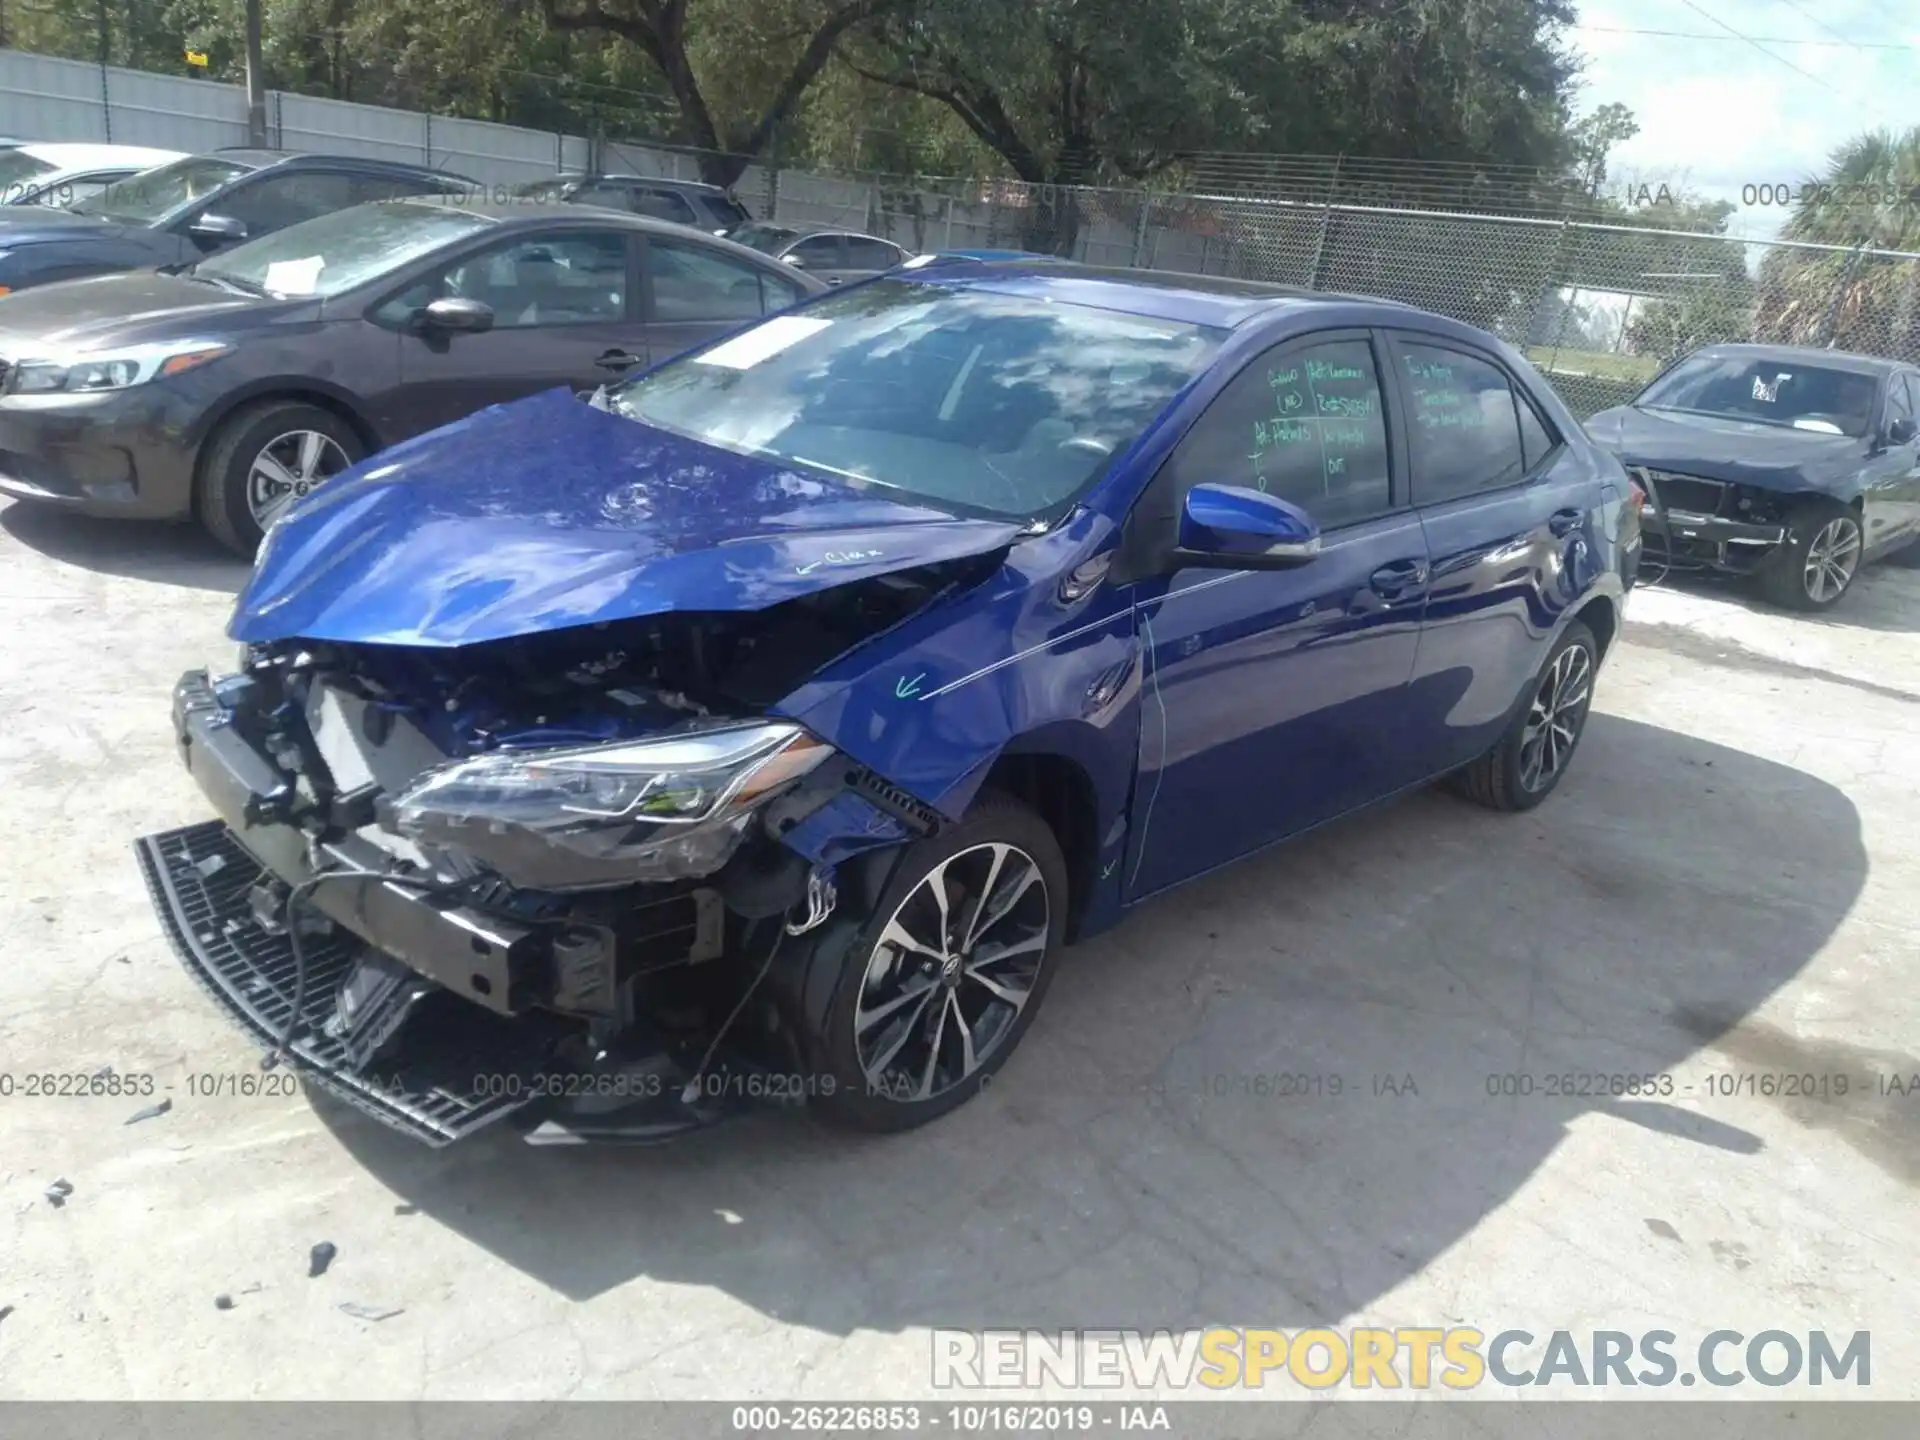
587	817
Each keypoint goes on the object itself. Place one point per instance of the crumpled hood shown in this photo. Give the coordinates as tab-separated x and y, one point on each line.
1773	457
548	513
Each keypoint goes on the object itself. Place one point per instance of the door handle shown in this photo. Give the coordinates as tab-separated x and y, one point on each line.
833	280
618	360
1397	577
1561	521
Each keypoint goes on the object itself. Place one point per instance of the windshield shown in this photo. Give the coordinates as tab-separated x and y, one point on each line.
984	404
17	169
155	193
1773	392
768	238
336	252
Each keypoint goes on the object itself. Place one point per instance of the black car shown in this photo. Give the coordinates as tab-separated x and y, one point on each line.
1790	465
179	213
834	256
684	202
227	389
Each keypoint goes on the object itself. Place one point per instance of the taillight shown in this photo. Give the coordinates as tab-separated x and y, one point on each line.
1636	497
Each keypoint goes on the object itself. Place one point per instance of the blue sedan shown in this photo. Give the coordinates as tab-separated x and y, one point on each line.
767	726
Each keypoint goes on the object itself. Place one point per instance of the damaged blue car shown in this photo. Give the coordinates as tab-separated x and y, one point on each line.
764	727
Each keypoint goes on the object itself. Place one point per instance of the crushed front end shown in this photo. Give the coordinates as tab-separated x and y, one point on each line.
540	877
1694	523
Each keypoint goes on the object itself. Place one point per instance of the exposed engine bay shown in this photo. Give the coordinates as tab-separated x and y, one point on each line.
452	883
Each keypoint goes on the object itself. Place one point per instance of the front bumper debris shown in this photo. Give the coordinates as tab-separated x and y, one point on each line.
414	1058
430	1015
200	878
1690	523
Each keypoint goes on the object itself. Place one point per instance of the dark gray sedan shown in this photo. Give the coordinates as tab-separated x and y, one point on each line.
225	390
1793	466
196	207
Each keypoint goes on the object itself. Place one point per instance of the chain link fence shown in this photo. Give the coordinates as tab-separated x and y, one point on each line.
1600	306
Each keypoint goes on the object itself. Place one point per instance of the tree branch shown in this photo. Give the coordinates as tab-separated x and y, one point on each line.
980	111
811	62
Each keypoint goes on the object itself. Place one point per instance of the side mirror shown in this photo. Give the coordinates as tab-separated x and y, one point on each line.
456	313
794	260
217	229
1231	527
1902	432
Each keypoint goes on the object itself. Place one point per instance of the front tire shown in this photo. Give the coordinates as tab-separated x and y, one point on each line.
263	459
1820	558
1528	762
938	984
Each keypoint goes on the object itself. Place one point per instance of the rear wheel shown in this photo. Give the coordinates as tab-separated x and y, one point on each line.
938	986
1527	763
262	460
1819	559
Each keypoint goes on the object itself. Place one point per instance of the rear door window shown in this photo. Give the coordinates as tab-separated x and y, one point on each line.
691	282
1464	424
819	252
864	253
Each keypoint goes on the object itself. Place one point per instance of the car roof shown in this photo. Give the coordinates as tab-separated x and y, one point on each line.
1221	301
695	187
561	212
67	155
1803	355
805	232
259	159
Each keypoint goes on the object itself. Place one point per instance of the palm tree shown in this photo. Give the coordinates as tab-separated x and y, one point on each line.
1868	200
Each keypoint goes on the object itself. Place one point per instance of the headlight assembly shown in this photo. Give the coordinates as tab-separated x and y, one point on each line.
111	369
602	815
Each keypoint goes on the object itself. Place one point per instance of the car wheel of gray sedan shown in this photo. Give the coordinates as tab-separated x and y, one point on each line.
1533	755
262	460
1821	556
936	988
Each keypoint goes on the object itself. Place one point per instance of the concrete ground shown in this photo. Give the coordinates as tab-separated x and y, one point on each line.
1723	887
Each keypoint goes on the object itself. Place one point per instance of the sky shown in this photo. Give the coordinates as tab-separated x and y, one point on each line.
1719	113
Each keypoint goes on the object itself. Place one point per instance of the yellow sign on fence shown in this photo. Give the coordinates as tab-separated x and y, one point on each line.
197	57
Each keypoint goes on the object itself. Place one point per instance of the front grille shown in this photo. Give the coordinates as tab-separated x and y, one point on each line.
200	877
1685	492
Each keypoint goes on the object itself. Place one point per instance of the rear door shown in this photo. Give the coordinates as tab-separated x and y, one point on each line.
565	313
695	291
1274	700
1513	529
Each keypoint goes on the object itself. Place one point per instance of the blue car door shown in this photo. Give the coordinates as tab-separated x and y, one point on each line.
1512	527
1272	699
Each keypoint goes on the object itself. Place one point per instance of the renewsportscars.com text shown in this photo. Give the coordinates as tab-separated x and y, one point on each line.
1417	1358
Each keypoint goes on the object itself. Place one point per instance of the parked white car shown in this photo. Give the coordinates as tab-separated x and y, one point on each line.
59	174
